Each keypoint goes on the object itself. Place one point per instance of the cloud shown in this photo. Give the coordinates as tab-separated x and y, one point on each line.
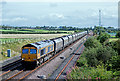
56	15
14	19
3	2
19	19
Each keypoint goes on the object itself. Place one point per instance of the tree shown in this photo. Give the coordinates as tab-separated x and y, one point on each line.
90	55
100	54
105	53
103	37
98	29
115	62
92	42
117	46
118	35
95	32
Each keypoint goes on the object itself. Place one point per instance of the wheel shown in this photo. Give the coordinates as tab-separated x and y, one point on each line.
38	63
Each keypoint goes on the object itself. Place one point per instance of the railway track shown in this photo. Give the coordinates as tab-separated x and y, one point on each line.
72	58
4	68
10	67
22	74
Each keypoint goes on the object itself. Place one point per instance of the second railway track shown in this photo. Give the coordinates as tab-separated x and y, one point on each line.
22	74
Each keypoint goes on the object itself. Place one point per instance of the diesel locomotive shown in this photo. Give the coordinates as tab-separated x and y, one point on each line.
38	52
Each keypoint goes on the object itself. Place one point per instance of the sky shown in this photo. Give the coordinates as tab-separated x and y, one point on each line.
76	13
61	0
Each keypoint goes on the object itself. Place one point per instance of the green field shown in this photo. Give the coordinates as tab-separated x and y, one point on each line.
33	31
113	39
113	36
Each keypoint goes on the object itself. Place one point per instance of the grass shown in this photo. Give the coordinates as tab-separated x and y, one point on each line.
113	36
15	46
8	39
14	31
113	39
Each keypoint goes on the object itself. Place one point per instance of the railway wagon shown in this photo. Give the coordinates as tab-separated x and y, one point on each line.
70	39
77	36
65	41
58	44
83	33
80	35
73	37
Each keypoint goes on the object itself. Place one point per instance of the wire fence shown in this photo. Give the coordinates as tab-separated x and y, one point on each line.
13	40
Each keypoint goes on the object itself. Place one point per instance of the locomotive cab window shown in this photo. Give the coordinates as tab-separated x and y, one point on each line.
51	47
33	51
42	52
48	49
25	51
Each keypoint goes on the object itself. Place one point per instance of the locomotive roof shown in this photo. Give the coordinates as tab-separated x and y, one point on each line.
39	44
57	39
69	35
29	45
64	37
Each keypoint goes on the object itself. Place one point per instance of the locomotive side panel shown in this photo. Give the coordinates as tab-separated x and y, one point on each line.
46	50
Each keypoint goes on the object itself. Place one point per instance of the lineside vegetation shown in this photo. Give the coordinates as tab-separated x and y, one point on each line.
100	60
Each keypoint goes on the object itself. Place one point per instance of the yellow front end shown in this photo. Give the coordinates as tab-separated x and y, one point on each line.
29	54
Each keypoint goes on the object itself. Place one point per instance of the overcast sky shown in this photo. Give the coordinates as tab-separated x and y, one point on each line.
59	12
61	0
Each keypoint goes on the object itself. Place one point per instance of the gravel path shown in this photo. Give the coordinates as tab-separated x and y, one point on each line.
50	67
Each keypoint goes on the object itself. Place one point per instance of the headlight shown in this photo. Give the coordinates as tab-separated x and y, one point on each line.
23	58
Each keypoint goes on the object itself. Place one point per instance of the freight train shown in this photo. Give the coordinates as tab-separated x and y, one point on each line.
39	52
